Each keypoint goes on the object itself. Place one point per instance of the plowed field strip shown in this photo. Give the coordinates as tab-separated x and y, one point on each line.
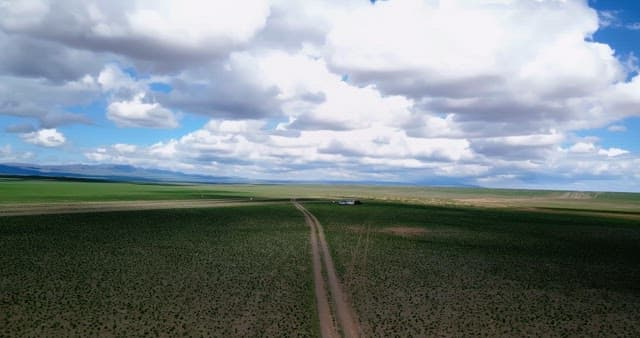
68	208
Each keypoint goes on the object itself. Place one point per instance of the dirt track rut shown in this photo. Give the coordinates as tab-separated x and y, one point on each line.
21	209
345	316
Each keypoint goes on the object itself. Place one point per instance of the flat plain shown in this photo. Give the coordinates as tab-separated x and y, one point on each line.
412	261
414	270
234	271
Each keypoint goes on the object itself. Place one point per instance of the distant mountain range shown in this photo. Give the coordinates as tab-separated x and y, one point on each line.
110	172
127	173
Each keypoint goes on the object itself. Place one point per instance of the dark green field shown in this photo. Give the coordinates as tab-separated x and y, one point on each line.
438	271
233	271
517	263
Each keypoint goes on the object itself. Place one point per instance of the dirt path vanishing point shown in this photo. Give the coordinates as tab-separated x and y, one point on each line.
343	311
20	209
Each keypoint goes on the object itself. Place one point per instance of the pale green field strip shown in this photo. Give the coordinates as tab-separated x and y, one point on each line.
47	191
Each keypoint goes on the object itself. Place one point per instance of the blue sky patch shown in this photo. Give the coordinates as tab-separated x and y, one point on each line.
160	87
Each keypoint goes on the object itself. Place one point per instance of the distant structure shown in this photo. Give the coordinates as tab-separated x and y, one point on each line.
348	202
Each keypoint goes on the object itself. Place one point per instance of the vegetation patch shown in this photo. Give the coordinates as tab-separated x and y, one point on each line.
236	271
491	272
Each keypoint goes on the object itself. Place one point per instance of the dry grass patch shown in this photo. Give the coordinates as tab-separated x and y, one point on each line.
397	230
405	231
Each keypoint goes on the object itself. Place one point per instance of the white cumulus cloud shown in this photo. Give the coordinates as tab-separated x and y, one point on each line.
140	114
404	90
45	138
617	128
167	33
612	152
583	147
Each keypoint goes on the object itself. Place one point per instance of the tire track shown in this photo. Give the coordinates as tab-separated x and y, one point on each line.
343	311
327	327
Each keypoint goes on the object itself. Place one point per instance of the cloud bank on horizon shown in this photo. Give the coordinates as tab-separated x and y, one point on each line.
497	93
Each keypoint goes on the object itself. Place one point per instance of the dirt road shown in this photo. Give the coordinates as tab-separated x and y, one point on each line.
345	316
79	207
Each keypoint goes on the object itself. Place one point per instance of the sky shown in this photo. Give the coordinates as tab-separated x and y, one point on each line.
538	94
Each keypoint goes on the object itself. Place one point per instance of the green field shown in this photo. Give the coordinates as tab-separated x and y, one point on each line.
237	271
442	271
37	191
54	191
414	261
